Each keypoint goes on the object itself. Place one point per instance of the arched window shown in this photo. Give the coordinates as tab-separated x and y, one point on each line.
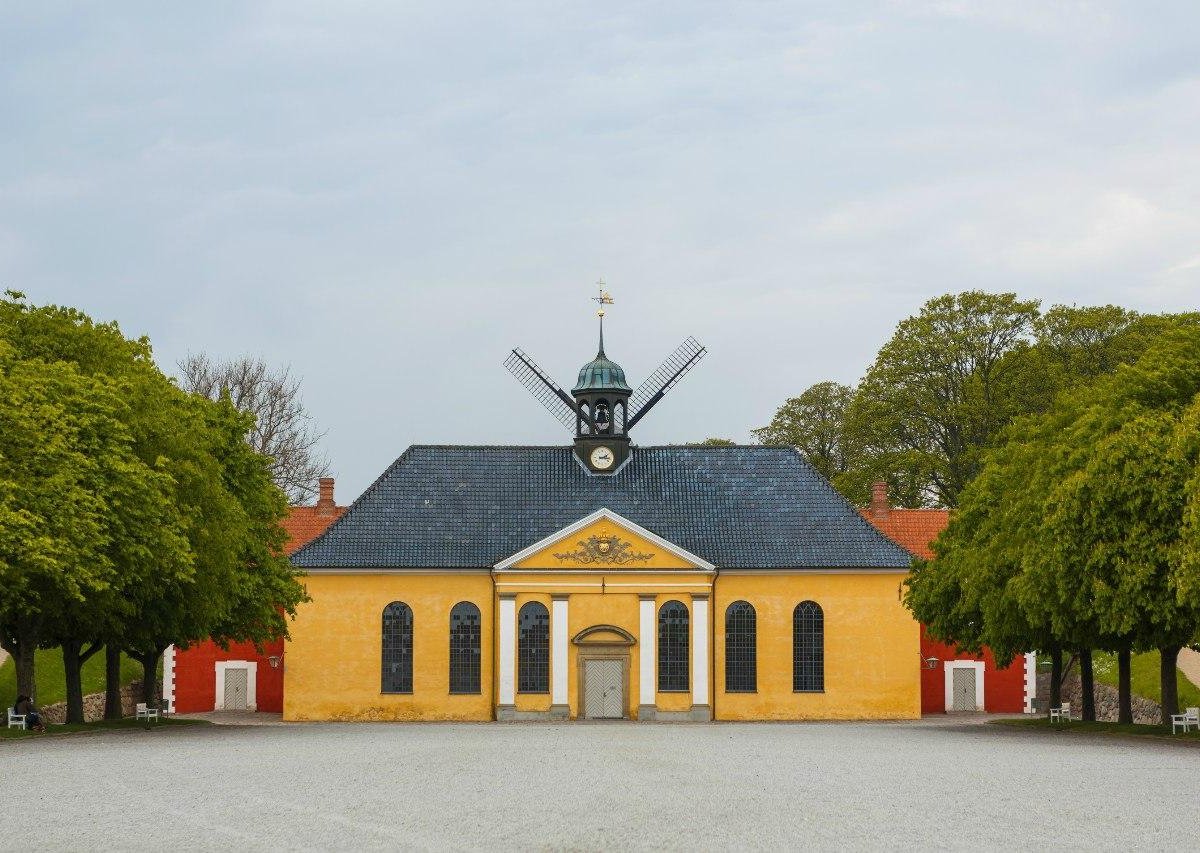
464	648
808	648
673	647
397	648
533	649
741	662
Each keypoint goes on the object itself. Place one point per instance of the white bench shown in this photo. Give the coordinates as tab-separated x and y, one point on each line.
16	721
1061	714
145	712
1190	717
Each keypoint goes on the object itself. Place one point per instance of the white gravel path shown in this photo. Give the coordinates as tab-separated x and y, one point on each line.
599	787
1189	665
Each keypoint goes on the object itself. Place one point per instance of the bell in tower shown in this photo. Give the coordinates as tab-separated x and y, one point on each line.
602	408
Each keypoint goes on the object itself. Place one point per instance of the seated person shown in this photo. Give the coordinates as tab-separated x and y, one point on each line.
33	720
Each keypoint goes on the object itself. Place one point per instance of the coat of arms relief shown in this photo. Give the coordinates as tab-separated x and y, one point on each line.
604	548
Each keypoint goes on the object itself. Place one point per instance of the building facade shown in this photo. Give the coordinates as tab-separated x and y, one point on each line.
952	680
206	677
602	580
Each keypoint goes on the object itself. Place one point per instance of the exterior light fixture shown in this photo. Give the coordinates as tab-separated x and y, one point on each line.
274	661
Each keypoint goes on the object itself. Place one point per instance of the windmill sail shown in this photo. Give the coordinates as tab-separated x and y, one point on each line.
666	377
542	387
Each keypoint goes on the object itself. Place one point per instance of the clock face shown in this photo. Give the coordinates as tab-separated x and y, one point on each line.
602	458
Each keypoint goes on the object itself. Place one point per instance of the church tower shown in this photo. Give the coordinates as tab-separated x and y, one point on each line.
602	410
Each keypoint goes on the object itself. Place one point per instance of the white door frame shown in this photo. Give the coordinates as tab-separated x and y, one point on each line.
251	668
952	665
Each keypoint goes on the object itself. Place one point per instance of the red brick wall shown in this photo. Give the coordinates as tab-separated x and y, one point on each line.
196	675
1003	689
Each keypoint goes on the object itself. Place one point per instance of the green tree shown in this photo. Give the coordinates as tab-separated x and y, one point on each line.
815	424
939	393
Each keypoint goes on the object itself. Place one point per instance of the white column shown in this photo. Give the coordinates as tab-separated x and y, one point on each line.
168	689
558	650
647	635
700	650
508	649
1030	680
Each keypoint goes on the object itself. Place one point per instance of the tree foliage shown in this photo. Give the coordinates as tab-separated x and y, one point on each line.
815	424
132	513
1076	533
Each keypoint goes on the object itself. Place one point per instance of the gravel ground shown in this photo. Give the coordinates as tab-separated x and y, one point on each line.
598	786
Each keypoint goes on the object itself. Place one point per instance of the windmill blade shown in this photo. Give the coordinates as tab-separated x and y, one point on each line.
666	377
542	387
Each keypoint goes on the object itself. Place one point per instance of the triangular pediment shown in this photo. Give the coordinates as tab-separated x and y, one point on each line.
605	541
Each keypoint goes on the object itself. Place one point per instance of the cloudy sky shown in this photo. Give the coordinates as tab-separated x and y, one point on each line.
389	196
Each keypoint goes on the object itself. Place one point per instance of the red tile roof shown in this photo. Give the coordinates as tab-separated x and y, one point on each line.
305	523
912	529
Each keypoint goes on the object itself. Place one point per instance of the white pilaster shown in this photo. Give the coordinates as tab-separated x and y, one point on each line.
700	650
647	651
558	650
168	689
1030	680
508	649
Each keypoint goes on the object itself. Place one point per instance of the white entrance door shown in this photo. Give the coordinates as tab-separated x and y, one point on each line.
236	689
964	688
603	681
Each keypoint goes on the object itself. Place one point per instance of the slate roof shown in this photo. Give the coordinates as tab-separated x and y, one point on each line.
471	507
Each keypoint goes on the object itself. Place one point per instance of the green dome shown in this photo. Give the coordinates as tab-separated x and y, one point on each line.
601	374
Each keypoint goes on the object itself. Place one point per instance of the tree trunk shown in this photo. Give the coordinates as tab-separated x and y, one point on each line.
1056	671
1087	682
1124	688
74	683
112	682
149	662
21	644
1167	661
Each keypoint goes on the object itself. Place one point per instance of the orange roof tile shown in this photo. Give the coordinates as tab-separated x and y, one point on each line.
304	524
912	529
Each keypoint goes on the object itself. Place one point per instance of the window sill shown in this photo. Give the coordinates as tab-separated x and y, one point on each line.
809	691
466	692
728	691
395	693
675	690
533	692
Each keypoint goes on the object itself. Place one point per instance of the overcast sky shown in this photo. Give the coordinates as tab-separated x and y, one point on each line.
389	196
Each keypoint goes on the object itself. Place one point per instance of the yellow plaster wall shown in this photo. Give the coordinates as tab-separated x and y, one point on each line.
661	557
872	646
333	660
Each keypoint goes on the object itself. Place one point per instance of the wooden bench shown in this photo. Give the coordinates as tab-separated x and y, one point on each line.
16	721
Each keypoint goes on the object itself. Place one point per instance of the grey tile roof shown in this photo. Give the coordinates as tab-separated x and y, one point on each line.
471	507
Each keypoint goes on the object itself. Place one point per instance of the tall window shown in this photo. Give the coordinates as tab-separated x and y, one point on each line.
673	647
741	663
808	648
464	648
397	648
533	649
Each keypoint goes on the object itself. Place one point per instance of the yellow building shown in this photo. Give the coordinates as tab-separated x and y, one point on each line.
602	580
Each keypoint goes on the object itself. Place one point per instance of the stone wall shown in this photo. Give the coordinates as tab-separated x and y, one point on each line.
1144	710
93	705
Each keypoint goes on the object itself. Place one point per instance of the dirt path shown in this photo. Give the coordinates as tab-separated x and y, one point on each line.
1189	664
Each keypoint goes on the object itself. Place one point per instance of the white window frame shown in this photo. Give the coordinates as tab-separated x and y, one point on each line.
251	668
952	665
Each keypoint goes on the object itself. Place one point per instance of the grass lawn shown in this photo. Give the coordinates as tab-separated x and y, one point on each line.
103	725
1078	726
1143	677
51	682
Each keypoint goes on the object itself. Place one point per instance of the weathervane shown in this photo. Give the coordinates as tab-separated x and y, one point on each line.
603	299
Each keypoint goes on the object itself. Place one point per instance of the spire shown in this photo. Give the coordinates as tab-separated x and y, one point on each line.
603	299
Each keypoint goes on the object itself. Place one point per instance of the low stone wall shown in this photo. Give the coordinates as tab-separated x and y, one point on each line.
1144	710
93	705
